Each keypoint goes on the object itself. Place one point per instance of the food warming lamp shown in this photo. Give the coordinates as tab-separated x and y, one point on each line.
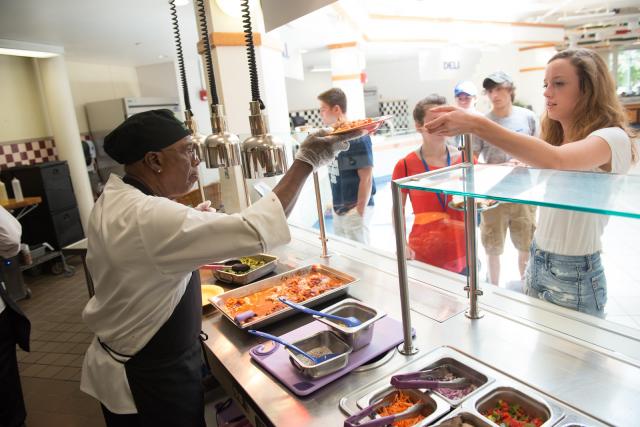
221	149
263	154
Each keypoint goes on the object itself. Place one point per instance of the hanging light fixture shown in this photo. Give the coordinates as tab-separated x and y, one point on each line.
263	154
197	138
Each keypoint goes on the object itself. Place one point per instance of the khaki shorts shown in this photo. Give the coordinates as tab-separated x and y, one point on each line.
519	219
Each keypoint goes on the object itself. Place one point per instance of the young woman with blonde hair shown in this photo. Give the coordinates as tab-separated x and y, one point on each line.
584	128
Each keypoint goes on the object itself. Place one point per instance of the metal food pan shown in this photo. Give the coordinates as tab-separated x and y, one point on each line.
460	370
532	404
436	408
459	416
258	322
352	401
575	420
270	264
325	339
359	336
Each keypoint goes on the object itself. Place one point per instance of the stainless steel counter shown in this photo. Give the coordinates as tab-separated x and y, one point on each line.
580	374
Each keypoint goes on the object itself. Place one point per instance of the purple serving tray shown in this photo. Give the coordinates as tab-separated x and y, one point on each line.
386	335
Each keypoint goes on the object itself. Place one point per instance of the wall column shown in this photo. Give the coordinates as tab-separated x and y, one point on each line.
232	73
347	64
65	130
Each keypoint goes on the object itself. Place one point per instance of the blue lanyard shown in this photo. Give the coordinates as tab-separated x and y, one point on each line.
441	197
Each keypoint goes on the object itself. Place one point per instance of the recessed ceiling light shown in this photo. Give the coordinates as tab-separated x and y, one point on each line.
162	56
27	53
33	50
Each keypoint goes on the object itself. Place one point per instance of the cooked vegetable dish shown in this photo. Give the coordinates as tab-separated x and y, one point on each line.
253	263
345	126
297	288
511	415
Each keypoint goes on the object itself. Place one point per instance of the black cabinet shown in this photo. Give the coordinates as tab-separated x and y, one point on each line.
56	220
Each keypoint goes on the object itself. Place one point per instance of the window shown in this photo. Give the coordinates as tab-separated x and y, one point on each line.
628	72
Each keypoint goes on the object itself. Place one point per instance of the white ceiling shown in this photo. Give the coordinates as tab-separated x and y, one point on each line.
138	32
120	32
363	19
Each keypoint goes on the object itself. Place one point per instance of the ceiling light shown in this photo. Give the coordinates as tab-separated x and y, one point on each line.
32	50
182	2
586	16
320	69
28	53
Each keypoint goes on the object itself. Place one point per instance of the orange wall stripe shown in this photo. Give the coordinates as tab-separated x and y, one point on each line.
537	46
468	21
525	70
345	77
342	45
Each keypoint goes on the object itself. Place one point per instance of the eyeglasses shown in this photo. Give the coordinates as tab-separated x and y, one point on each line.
191	151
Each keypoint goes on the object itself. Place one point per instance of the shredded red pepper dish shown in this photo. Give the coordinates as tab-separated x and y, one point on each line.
511	415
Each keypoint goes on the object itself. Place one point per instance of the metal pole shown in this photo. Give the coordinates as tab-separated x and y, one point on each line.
470	230
398	224
323	233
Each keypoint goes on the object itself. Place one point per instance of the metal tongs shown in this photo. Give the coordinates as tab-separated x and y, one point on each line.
427	380
354	420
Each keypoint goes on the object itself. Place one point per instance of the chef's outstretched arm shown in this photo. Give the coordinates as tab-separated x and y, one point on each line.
316	151
180	239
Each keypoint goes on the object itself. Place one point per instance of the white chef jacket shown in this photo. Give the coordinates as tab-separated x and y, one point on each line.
10	233
141	253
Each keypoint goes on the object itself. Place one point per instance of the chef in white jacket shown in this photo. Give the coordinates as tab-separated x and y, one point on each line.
144	364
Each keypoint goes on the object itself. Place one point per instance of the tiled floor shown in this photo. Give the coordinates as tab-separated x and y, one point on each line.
50	373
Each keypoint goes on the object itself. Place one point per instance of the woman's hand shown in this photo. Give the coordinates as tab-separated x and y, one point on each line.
456	121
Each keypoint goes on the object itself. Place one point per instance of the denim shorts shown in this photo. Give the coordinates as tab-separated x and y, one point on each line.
575	282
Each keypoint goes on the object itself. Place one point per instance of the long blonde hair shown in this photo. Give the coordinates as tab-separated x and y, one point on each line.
598	106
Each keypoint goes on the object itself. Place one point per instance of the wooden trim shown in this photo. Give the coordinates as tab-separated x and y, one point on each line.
527	69
537	42
345	77
418	40
228	39
342	45
381	40
467	21
537	46
232	39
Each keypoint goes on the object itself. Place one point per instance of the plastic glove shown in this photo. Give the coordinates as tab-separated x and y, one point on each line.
205	206
321	148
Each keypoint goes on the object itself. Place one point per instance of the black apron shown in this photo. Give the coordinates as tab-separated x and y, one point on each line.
14	329
165	376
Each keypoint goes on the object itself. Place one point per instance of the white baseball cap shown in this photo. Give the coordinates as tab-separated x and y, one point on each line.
465	87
